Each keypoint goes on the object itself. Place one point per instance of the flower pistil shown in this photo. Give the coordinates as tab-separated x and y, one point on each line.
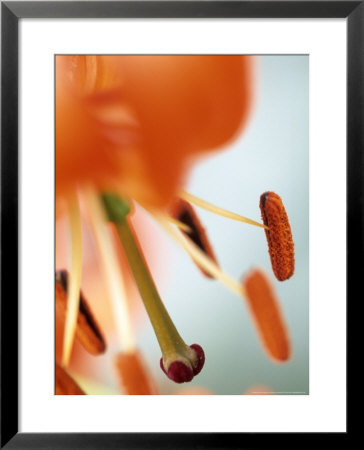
179	361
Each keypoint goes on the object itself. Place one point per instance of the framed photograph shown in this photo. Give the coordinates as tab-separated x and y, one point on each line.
181	190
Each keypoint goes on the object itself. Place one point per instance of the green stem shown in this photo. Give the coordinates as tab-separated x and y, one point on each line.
168	337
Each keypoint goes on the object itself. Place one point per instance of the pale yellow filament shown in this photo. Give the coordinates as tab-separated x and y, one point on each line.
111	269
182	226
217	210
199	256
74	287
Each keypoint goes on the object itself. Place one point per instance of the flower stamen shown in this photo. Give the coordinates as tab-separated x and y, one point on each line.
199	256
186	214
217	210
279	235
88	331
110	265
73	293
182	226
267	315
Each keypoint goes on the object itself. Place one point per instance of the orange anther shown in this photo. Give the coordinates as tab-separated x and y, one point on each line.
279	235
185	213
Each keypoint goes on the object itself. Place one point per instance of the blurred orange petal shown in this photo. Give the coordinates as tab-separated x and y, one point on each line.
258	390
133	374
136	121
195	390
267	315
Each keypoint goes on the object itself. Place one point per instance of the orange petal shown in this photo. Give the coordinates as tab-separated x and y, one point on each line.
134	377
65	385
279	235
267	315
185	213
138	120
186	105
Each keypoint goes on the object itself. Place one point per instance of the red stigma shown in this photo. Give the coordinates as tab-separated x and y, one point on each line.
200	358
179	372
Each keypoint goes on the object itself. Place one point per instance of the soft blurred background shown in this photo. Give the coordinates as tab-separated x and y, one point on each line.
272	154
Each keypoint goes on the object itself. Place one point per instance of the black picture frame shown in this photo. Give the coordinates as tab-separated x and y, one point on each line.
11	12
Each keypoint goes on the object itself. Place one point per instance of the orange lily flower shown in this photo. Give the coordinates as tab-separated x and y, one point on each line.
128	129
